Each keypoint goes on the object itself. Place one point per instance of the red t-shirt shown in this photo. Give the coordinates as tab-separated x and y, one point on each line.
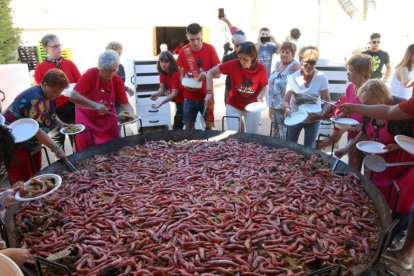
67	66
87	83
407	106
245	84
207	58
173	82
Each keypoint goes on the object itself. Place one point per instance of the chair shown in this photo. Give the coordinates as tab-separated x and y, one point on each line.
28	55
42	54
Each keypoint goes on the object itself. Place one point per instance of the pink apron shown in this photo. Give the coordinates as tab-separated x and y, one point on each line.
102	128
401	174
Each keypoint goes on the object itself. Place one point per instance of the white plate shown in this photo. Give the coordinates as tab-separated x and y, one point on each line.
80	126
23	129
129	122
311	108
66	92
296	118
344	123
9	267
405	142
58	181
256	107
2	120
192	83
371	147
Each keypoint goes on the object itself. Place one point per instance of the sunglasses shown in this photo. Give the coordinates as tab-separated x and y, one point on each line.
246	45
309	62
375	42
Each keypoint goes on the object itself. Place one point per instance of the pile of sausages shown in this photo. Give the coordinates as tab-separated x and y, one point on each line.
203	208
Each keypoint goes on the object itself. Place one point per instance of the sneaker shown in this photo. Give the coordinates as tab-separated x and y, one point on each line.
397	243
397	258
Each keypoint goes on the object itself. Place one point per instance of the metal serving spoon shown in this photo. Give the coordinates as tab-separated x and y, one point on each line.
378	164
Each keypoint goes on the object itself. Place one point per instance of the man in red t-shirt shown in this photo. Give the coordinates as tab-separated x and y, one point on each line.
194	60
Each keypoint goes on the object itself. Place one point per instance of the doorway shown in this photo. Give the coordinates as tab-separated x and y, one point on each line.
174	37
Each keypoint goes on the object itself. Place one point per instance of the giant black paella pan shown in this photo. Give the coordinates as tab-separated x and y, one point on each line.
207	138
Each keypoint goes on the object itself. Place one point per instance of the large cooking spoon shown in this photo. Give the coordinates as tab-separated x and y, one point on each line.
377	164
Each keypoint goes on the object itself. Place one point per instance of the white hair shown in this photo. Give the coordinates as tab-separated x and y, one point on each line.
108	58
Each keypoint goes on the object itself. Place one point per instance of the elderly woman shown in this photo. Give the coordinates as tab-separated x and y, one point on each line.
249	83
277	86
64	108
38	103
359	68
103	86
303	87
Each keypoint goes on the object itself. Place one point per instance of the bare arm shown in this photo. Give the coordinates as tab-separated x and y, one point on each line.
385	112
402	73
158	93
170	97
77	98
48	142
209	81
286	102
127	108
227	21
387	72
261	94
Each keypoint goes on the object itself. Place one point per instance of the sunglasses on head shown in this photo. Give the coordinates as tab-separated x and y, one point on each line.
309	62
246	45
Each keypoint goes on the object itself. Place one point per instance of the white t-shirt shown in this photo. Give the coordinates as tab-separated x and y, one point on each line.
397	89
296	83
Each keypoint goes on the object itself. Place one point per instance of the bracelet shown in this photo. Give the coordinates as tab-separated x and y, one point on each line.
55	149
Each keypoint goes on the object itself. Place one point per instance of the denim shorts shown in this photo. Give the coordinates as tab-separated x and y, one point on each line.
191	108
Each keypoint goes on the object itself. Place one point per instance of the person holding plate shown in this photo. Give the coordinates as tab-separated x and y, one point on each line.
402	111
374	92
359	67
194	60
249	83
303	86
277	88
38	103
170	83
98	88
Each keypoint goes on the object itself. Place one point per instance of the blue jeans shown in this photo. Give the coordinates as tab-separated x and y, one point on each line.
311	132
191	109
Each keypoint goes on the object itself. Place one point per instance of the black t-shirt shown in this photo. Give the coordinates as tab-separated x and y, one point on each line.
380	58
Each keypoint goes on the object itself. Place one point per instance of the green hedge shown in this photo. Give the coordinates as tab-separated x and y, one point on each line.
9	35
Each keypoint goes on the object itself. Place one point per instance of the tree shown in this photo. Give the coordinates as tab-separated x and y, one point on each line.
9	35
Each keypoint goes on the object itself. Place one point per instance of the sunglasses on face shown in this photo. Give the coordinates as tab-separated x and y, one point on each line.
375	42
309	62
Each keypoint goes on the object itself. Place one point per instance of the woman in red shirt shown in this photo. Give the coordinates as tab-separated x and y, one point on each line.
98	88
64	108
249	83
170	84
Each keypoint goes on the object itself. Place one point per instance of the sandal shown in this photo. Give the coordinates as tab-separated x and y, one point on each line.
396	257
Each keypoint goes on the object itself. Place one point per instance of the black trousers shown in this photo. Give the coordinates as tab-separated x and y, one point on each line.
66	114
178	118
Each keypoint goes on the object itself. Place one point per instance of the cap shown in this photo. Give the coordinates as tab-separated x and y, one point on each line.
238	37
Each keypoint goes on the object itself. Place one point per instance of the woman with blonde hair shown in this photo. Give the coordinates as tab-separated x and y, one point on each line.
303	86
359	69
403	78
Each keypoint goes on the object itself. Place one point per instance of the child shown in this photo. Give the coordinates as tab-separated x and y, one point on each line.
170	83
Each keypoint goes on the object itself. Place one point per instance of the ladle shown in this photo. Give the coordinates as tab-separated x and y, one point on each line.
378	164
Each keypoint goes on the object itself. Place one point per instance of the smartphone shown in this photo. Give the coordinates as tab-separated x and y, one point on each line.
221	13
264	39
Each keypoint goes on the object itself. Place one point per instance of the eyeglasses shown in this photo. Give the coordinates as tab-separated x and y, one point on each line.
309	62
376	42
55	46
